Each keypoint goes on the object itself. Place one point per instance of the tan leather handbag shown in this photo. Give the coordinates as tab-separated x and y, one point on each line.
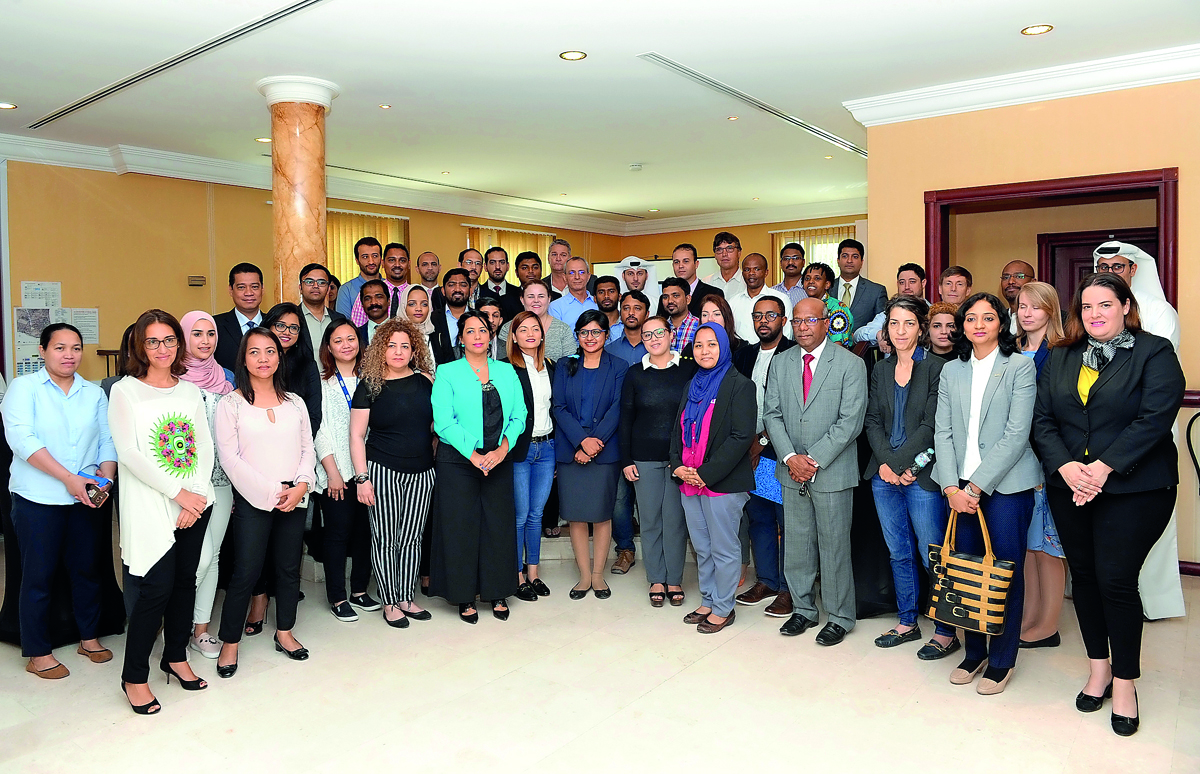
969	591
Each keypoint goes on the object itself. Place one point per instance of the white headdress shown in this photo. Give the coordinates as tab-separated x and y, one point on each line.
633	262
1158	316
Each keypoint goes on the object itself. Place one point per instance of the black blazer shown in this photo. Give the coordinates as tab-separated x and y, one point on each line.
510	302
303	379
521	448
442	341
702	289
869	300
918	417
744	360
1127	421
726	467
229	338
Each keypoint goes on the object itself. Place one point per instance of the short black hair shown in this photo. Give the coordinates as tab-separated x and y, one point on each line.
1007	340
369	283
607	279
393	246
776	299
636	295
368	241
528	255
857	245
477	315
792	246
916	269
677	282
245	268
488	301
687	246
463	254
725	236
314	267
53	328
337	283
495	249
824	268
458	272
958	271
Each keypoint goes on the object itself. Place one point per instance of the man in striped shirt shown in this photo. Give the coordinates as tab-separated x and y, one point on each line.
675	298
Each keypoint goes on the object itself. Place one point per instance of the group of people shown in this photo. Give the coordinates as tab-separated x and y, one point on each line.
430	421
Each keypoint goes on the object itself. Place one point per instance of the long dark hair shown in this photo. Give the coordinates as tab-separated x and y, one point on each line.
1007	341
301	352
726	315
515	353
328	363
1075	332
588	317
241	374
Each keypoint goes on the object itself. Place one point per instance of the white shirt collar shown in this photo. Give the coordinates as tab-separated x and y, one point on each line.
243	319
986	362
816	353
646	364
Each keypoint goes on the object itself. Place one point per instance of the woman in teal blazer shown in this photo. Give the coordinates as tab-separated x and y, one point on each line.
478	414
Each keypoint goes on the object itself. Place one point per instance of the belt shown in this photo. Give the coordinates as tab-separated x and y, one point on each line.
540	438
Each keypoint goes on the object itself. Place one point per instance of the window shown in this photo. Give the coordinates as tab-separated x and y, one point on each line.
343	228
820	244
513	242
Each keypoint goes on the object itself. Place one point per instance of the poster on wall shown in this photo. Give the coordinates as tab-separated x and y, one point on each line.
41	295
29	324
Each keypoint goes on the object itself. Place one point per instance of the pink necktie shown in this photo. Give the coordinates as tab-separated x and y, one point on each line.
807	375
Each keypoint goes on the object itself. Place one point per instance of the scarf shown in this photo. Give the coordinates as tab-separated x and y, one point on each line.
207	374
702	390
1100	353
425	327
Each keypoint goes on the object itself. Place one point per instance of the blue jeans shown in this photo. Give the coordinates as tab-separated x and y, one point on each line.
622	521
766	540
532	480
912	518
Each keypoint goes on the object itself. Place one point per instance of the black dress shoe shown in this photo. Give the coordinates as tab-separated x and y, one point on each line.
500	609
832	634
473	618
1053	641
1123	726
796	625
541	588
1088	703
299	654
578	594
397	623
525	592
422	615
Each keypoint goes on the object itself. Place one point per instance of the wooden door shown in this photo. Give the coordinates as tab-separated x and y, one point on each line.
1066	257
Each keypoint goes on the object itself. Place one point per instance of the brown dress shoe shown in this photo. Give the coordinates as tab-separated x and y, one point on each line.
781	607
56	672
755	595
624	561
694	618
96	656
708	627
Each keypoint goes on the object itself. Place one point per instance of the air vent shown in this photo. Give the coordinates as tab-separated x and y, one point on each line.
178	59
692	75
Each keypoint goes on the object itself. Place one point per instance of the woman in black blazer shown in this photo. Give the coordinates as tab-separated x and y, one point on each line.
1106	403
710	447
533	453
912	510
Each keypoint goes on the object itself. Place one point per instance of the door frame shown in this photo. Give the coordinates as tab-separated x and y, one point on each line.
1047	242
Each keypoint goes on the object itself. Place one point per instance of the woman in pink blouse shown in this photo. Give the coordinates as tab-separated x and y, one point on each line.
265	443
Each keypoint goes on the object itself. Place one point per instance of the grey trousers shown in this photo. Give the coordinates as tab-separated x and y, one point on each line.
664	530
713	523
816	529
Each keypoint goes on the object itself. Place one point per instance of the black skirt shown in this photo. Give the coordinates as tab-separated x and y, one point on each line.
587	492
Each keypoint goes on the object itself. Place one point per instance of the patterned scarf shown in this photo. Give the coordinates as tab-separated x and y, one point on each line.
1100	353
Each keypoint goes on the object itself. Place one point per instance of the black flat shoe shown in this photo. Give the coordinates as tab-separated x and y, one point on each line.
473	618
526	592
1123	726
541	588
1088	703
397	623
153	707
1053	641
421	615
603	593
578	594
188	685
299	654
500	613
891	638
425	589
934	650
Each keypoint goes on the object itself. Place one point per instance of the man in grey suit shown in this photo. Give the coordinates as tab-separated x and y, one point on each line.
865	298
813	410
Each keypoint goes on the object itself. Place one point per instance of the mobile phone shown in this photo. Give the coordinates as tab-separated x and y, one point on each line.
96	494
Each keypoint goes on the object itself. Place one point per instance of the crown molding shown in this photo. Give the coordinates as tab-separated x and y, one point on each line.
1150	68
733	218
147	161
59	154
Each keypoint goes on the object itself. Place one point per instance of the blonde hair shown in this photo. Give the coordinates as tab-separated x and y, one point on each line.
373	370
1043	296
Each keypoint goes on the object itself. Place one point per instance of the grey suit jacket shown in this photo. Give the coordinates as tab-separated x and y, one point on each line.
1008	464
826	428
869	300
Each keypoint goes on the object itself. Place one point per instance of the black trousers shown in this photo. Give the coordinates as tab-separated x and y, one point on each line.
1106	542
253	532
166	594
346	533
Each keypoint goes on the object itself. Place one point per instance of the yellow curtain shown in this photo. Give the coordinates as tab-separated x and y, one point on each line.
820	244
343	229
514	243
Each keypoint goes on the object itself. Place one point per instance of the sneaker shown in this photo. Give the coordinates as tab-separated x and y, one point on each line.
624	562
756	595
781	607
364	602
343	612
206	645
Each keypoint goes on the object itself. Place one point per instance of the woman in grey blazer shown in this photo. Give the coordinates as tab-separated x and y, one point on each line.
984	462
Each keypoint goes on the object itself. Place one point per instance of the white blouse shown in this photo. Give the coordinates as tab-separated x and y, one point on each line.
334	435
539	383
981	371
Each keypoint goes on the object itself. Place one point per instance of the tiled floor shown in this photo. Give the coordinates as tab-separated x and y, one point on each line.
599	686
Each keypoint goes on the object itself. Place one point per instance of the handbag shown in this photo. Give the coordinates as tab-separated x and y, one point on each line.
969	591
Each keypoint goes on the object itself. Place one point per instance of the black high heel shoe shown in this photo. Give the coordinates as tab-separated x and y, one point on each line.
146	709
1087	703
501	614
188	685
1123	726
473	618
299	654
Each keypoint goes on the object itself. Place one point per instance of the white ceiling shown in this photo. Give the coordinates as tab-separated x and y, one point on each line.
478	89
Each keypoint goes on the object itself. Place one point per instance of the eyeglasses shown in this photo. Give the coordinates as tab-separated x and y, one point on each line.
314	283
591	333
725	249
170	342
768	316
282	327
811	322
1114	268
655	335
1018	276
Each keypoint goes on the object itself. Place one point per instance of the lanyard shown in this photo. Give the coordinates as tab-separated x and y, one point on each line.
345	392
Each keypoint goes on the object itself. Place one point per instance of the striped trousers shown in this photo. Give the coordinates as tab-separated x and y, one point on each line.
397	520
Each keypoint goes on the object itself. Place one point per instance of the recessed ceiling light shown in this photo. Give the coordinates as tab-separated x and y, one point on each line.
385	107
572	56
7	106
732	118
1037	29
654	210
754	199
829	157
562	194
262	139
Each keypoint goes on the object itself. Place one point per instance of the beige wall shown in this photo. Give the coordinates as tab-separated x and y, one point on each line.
1121	131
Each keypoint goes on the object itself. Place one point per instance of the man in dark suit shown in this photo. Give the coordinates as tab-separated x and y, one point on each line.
374	297
317	316
529	267
456	285
865	298
495	263
684	262
765	515
246	290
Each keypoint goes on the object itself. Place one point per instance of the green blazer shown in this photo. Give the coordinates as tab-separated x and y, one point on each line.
458	404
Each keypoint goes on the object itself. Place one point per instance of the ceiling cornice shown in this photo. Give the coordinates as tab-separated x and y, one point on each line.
123	159
1119	72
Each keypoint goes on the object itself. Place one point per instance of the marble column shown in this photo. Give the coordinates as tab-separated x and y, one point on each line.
298	106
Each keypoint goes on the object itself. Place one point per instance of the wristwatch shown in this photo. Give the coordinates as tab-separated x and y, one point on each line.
361	478
970	490
763	440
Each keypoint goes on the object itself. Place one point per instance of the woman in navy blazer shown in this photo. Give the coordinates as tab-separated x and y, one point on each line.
587	412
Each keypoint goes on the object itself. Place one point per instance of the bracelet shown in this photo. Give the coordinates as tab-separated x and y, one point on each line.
950	494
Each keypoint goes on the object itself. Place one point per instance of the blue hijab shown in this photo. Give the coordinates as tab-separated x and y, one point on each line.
704	385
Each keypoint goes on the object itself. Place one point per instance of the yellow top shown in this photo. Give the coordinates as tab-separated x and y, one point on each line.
1087	378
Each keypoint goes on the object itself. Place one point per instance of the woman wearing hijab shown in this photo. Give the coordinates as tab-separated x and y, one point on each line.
710	455
415	307
202	370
